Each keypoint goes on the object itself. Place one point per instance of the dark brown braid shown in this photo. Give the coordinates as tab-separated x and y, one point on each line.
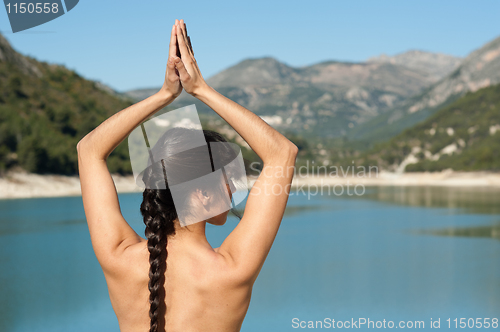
159	214
159	211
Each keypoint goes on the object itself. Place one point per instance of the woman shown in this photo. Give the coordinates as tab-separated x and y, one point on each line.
174	280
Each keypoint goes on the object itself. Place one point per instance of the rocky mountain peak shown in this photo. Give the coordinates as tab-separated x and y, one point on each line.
255	72
480	69
437	65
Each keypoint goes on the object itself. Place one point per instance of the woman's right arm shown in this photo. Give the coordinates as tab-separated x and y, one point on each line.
249	243
247	246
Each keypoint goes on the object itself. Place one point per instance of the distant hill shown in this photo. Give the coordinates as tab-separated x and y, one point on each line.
45	109
463	136
478	70
436	65
324	99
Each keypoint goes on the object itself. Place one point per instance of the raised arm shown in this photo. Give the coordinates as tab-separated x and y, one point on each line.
109	232
247	246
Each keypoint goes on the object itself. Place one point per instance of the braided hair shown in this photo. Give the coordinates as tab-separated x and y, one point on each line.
159	213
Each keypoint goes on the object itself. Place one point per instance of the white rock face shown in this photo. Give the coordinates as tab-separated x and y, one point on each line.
355	93
494	129
449	149
432	157
472	129
410	159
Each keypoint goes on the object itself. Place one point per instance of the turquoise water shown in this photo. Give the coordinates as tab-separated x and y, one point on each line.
408	254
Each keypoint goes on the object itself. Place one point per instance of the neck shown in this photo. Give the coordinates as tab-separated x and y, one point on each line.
194	233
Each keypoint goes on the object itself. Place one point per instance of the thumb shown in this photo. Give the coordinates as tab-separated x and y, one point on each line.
183	73
172	73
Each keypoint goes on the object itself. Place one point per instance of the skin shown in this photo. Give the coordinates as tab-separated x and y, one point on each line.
206	289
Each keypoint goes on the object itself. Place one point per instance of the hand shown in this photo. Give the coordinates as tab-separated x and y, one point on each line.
190	76
172	85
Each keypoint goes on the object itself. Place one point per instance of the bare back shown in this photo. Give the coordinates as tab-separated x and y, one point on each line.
201	292
206	289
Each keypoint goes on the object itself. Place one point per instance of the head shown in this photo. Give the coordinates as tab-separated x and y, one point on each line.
194	193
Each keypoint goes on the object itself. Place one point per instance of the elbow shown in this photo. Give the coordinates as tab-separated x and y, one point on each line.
84	142
289	153
80	146
283	154
86	148
83	145
293	150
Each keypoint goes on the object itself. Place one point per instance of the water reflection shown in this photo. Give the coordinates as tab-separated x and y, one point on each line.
487	231
457	200
467	199
295	210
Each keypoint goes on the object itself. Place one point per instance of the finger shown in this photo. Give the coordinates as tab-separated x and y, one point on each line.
182	44
188	39
177	48
183	73
184	33
173	41
177	51
190	46
172	74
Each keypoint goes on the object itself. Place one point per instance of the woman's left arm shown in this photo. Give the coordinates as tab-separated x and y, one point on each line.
109	231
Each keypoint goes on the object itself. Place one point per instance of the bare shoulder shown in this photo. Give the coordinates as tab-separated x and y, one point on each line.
130	261
222	264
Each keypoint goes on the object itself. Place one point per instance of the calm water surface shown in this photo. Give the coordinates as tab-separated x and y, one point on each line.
397	254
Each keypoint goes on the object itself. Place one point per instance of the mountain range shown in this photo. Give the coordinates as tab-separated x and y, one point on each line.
364	102
327	108
479	69
328	98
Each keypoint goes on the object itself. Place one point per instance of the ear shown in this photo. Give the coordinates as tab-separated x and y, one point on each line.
202	196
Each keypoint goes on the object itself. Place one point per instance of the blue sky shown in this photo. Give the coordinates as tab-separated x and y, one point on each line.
125	43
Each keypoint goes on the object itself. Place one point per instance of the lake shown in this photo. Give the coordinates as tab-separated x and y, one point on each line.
399	254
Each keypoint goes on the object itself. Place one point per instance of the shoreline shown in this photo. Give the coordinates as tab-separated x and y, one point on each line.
446	178
16	185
